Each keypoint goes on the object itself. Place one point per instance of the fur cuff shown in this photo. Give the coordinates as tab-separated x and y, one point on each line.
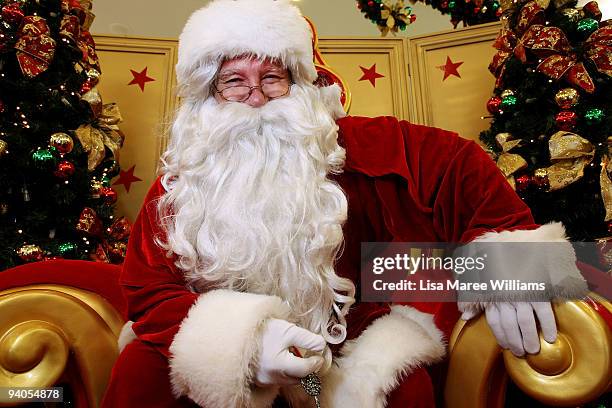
215	348
554	266
374	364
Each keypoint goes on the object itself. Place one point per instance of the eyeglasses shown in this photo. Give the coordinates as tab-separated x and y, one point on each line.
241	93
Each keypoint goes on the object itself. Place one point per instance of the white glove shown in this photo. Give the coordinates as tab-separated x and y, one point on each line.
277	366
514	325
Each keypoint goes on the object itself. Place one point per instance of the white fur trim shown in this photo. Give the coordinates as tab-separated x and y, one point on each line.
215	349
374	364
228	28
331	97
555	266
552	232
126	336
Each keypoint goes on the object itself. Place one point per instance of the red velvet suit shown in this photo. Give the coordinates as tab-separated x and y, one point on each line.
403	182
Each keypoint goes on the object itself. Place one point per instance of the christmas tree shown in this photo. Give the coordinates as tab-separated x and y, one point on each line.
551	127
58	142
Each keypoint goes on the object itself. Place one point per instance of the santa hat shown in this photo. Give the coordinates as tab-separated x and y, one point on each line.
228	28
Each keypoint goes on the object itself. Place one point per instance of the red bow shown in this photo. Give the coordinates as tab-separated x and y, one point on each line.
35	47
530	14
561	61
505	43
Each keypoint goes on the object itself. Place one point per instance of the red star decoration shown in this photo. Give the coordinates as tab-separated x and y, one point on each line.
450	68
140	78
127	178
370	74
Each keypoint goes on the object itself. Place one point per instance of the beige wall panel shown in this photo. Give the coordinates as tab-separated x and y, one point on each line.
456	103
143	112
389	97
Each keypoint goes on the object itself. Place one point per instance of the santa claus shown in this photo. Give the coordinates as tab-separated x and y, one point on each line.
242	269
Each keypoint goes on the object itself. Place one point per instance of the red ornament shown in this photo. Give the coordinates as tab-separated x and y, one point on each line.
499	12
412	18
87	86
476	10
523	183
566	120
12	13
493	105
541	182
64	170
99	255
116	251
371	3
120	229
89	223
2	106
444	4
109	195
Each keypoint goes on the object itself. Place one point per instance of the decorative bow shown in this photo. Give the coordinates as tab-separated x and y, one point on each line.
35	47
564	62
509	163
504	43
112	246
530	14
606	188
103	132
570	154
392	13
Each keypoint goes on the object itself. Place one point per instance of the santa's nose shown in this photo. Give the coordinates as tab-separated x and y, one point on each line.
256	99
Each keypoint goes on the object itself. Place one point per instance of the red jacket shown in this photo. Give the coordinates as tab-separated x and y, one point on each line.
403	182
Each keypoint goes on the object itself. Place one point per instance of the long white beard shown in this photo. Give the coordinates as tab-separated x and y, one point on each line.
251	207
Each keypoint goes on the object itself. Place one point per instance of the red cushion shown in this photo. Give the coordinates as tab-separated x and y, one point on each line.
101	278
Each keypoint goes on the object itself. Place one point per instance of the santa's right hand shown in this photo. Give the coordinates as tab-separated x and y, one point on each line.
276	364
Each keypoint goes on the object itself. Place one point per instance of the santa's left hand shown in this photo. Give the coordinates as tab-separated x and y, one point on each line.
514	324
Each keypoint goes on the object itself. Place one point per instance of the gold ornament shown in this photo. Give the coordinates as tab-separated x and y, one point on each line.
62	142
507	92
567	98
3	147
30	253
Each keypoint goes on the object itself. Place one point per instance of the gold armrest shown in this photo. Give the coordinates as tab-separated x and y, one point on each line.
44	327
577	368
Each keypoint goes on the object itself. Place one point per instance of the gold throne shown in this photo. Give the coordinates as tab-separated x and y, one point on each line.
66	334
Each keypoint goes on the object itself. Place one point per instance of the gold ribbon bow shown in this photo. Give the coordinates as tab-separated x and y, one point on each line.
104	132
509	163
391	12
606	188
570	154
